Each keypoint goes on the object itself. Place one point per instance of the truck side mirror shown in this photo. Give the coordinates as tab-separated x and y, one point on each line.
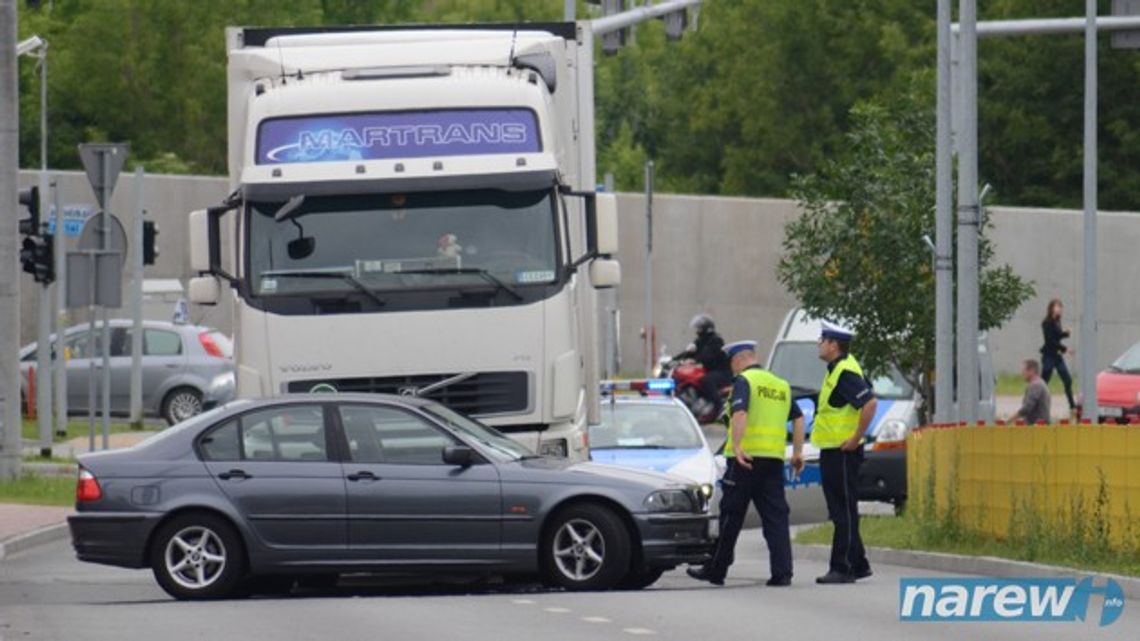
605	225
605	273
204	290
199	229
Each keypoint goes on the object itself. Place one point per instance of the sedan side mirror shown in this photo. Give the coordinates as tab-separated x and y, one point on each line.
458	455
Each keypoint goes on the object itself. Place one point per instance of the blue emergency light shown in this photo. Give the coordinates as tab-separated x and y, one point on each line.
641	385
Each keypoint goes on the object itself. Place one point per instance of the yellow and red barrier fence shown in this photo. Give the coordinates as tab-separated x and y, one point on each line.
1012	481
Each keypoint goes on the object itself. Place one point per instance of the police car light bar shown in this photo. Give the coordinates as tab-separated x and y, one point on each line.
640	385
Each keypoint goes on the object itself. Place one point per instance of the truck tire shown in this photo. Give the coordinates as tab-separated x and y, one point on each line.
197	556
586	547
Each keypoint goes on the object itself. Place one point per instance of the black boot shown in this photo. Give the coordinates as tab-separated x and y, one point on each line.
702	574
834	577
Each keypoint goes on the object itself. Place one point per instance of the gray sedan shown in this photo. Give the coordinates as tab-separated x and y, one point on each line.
312	486
179	365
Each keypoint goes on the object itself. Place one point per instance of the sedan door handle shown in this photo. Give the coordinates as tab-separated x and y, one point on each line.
363	476
234	474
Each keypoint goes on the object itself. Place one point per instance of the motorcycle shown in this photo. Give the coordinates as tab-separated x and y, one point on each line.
687	374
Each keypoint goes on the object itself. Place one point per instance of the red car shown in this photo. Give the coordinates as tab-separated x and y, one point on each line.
1118	388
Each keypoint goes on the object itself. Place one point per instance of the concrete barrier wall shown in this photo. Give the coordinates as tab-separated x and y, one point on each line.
711	254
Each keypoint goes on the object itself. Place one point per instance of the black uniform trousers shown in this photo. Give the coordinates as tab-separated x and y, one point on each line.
840	471
763	485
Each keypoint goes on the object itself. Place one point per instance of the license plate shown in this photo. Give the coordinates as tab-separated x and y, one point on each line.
1112	412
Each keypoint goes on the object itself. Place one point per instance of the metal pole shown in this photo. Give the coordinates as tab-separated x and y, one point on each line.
569	14
650	344
943	233
59	365
1089	316
968	218
44	356
136	305
9	252
106	374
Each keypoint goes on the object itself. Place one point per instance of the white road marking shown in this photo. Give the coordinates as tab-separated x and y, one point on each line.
557	610
638	631
596	620
522	602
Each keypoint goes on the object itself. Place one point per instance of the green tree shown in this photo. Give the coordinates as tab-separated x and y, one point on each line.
858	254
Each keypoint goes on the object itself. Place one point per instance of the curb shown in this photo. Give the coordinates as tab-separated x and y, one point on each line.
970	565
29	540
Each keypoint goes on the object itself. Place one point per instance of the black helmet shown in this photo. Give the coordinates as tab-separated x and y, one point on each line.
702	323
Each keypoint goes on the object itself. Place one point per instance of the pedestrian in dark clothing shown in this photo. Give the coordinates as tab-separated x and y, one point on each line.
1053	351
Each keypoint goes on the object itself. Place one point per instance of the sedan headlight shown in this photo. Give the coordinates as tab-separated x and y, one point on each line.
554	447
707	490
892	431
670	501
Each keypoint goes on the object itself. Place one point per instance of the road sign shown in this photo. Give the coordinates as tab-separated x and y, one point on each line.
94	278
73	218
103	162
91	236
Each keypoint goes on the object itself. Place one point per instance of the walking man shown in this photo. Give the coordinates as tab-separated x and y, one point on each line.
846	407
760	408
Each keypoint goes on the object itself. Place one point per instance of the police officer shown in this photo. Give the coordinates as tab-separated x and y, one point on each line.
761	406
846	406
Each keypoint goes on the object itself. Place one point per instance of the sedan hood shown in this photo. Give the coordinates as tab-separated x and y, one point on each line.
558	470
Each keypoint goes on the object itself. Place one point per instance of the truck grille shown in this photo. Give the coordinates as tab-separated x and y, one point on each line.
483	394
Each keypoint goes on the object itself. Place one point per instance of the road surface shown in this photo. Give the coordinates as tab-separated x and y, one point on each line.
46	594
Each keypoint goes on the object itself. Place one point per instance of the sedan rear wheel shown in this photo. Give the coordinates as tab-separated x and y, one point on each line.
587	548
181	404
197	556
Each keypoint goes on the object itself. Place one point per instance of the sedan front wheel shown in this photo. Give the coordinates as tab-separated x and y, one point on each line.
587	547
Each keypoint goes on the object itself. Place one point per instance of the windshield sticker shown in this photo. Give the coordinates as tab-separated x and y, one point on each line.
268	285
537	276
418	134
631	442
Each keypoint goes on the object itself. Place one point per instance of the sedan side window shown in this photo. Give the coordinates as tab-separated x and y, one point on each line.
222	443
293	433
389	435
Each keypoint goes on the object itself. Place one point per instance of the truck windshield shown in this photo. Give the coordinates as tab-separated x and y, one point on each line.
487	238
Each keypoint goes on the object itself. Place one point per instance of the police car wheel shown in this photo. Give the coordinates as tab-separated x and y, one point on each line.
586	547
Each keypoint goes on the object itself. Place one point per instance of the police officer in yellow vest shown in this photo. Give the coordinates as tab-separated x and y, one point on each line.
845	409
761	407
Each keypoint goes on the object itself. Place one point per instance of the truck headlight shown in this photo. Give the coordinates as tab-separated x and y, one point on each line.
892	431
554	447
670	501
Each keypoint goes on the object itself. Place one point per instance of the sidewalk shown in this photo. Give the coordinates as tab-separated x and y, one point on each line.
25	526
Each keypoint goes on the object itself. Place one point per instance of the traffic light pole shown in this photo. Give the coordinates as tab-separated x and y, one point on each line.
136	257
59	364
44	354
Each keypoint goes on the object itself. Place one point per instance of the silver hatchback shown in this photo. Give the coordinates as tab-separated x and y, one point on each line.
179	363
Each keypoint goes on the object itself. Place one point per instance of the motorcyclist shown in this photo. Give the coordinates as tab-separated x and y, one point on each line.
708	350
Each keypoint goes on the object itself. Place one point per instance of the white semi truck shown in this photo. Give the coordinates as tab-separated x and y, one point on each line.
412	213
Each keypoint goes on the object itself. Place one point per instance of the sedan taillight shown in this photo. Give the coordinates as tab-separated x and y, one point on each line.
87	487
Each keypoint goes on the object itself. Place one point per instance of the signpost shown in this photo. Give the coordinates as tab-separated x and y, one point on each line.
102	248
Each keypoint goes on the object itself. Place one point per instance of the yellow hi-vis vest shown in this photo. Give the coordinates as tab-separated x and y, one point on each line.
769	403
834	425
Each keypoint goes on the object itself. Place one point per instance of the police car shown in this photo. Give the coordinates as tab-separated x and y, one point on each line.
644	426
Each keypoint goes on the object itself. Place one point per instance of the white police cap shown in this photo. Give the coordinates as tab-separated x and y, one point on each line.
732	349
835	331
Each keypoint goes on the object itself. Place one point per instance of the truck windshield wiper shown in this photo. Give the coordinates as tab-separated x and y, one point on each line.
482	273
333	274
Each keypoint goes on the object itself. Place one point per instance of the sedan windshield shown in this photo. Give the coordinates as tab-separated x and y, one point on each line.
492	439
645	426
390	242
1129	362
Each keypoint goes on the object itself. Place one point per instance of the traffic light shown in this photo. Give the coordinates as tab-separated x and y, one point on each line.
675	24
37	257
30	199
612	42
150	242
